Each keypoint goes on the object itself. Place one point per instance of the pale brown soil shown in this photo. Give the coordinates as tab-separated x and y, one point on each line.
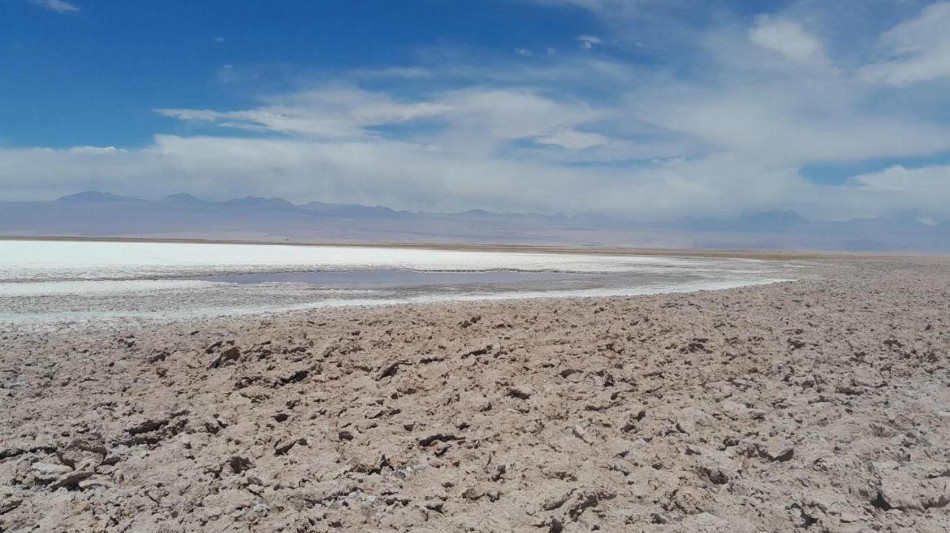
818	405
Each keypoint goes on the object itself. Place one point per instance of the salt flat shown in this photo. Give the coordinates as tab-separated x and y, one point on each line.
37	260
86	282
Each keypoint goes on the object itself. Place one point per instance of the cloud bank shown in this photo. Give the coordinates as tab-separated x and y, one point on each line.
727	120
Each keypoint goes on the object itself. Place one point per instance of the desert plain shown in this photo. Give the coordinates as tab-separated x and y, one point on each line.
821	404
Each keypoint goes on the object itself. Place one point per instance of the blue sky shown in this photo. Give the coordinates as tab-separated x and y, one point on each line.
93	76
644	109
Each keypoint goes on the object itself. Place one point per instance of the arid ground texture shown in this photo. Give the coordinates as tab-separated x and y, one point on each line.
816	405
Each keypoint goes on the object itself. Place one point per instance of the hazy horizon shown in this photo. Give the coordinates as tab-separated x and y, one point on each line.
94	214
95	196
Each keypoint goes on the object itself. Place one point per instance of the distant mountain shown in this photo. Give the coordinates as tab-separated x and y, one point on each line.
95	196
761	221
183	199
99	214
773	220
351	210
254	202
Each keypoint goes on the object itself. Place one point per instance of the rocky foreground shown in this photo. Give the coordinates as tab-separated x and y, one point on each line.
818	405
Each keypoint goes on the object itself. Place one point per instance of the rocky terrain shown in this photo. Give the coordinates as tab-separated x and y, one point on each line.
817	405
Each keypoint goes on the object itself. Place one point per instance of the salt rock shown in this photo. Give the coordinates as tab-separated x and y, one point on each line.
900	490
690	420
48	472
715	466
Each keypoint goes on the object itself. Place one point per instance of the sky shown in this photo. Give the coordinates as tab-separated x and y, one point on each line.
646	110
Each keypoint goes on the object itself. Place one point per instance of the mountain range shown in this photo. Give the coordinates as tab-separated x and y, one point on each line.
99	214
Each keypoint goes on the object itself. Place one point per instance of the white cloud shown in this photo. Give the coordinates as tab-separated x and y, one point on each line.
59	6
487	115
194	115
514	113
786	37
573	140
614	8
95	150
329	112
789	122
931	182
924	189
915	51
453	177
588	41
398	174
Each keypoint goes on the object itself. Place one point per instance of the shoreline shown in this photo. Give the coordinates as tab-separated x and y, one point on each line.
146	319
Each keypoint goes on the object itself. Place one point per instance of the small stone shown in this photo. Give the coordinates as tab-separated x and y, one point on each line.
231	354
89	448
899	490
71	479
157	357
777	450
521	393
48	472
734	409
388	370
691	420
588	500
473	494
849	518
213	425
89	484
582	434
554	502
716	467
239	464
499	472
9	505
148	426
283	447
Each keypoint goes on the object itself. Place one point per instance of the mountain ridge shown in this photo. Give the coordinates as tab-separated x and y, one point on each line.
102	214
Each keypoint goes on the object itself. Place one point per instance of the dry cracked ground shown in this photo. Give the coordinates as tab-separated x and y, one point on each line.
817	405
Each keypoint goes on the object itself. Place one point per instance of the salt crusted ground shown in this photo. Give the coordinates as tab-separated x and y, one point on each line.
818	405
